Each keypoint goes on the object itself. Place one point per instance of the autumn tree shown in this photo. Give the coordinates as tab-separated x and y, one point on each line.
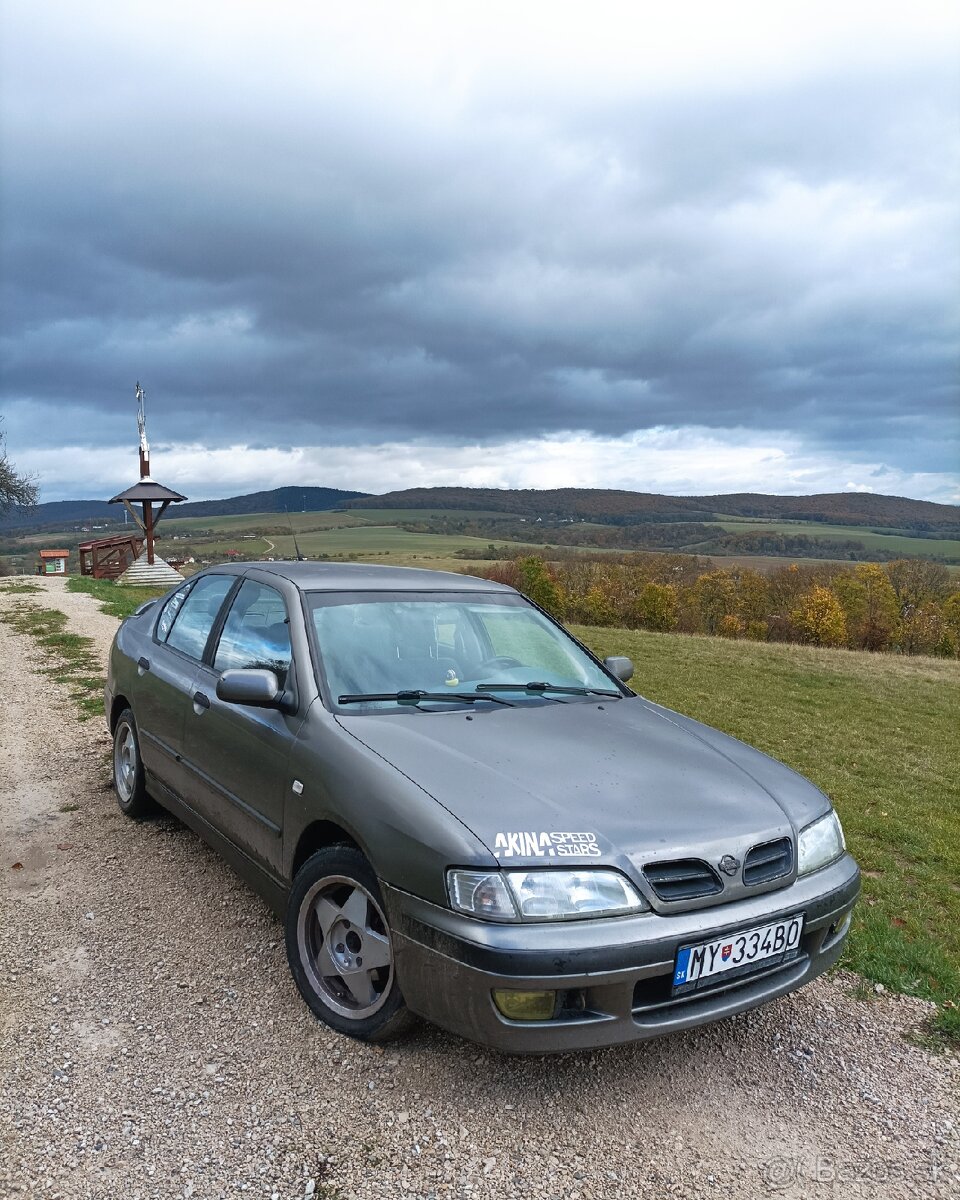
714	597
920	629
753	597
870	606
820	618
949	645
656	607
731	626
535	580
918	582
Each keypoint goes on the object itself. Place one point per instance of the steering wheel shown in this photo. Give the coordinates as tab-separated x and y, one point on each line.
501	662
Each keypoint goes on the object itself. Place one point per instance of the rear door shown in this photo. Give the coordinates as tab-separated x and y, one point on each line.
237	754
167	668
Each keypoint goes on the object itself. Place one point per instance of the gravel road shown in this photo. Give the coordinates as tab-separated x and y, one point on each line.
153	1044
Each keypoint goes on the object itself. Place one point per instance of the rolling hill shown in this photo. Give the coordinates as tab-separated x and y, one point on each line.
618	507
62	513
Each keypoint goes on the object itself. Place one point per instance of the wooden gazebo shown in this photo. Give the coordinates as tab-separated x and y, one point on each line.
146	494
128	556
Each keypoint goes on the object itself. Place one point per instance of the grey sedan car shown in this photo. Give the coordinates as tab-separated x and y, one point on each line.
460	813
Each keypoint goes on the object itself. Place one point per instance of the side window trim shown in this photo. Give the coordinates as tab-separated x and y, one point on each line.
224	608
186	588
213	637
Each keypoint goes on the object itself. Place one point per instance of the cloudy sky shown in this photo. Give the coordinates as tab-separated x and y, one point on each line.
691	248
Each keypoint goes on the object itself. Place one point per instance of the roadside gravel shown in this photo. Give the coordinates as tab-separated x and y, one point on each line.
153	1044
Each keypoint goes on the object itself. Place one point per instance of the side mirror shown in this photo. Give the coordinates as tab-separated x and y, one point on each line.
620	667
250	685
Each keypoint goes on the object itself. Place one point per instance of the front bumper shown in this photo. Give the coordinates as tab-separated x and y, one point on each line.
617	972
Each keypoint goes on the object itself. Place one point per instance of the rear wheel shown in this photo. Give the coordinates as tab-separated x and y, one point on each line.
128	778
339	946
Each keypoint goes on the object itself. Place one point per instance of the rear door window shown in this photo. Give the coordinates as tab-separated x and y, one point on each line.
196	615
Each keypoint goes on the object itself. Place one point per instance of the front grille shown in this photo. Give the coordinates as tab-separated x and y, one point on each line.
768	861
682	879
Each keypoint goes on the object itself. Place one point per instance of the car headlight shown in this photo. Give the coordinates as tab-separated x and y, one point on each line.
820	843
543	895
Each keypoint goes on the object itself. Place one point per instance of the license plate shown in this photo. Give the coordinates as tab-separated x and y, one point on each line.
737	953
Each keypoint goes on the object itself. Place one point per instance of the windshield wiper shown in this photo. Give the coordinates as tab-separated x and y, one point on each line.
414	697
536	686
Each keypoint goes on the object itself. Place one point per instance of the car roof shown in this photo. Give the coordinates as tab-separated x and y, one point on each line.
373	577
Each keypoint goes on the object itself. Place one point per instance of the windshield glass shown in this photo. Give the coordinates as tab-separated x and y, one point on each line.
378	643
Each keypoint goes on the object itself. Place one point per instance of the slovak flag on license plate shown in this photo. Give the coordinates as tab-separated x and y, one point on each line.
726	951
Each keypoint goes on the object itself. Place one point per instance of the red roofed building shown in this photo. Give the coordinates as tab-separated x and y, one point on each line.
53	562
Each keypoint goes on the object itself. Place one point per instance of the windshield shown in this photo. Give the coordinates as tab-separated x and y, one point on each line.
380	644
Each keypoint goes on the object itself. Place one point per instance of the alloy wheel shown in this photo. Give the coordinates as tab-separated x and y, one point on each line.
344	946
125	763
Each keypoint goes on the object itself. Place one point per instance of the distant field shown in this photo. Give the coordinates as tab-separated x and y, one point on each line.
896	543
401	516
890	769
374	534
380	541
247	521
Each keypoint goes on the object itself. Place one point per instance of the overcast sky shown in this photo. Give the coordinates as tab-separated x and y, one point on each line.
680	247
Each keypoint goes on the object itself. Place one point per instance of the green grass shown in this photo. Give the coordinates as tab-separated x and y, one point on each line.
19	587
878	733
373	543
118	601
250	522
897	543
68	658
404	516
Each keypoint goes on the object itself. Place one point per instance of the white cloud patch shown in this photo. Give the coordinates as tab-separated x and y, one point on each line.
691	461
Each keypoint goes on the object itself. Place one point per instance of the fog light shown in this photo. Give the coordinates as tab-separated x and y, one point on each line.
525	1006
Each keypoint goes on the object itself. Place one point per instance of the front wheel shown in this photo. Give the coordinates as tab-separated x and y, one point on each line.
339	946
128	777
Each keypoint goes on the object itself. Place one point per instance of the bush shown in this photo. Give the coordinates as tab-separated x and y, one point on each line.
730	626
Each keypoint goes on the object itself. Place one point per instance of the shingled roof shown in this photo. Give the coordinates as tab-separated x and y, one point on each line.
146	489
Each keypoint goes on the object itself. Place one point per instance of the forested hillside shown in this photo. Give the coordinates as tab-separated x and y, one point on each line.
618	507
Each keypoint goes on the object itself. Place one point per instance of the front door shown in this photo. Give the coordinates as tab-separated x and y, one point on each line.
237	754
168	667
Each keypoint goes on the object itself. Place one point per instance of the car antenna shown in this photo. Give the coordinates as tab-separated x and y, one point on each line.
296	548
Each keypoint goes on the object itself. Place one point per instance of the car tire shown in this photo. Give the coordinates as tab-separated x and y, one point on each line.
128	778
339	947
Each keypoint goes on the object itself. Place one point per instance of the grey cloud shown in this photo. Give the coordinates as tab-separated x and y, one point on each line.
783	259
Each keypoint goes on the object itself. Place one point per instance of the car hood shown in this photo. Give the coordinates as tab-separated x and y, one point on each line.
624	776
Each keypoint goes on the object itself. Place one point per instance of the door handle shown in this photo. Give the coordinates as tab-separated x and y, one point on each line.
143	663
201	700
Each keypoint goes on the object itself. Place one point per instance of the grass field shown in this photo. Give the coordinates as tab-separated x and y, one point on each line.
406	516
117	601
246	522
896	543
336	535
878	733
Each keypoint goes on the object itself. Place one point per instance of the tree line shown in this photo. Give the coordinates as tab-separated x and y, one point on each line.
910	606
681	535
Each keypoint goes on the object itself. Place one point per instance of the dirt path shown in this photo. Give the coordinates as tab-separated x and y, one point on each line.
153	1044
